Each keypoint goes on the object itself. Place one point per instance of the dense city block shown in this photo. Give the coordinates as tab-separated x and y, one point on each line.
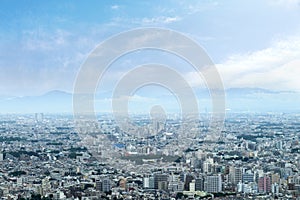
255	157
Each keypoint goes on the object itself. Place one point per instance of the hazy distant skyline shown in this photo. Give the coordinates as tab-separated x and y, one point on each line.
43	44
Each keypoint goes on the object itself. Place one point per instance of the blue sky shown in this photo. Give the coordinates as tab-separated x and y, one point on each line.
44	43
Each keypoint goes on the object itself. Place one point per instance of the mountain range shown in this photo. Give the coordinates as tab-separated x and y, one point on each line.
237	100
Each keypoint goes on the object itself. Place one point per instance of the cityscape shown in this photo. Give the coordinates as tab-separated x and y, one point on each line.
149	100
256	157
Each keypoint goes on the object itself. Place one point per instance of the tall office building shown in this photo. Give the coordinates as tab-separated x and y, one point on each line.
1	156
182	177
162	185
146	182
161	181
236	174
106	185
275	178
213	184
151	182
199	184
264	184
275	188
208	165
188	180
192	186
248	177
39	117
46	184
98	185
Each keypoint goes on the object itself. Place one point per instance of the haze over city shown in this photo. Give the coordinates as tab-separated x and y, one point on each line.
165	100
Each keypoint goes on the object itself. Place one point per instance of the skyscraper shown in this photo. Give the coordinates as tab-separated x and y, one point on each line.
98	185
106	186
161	181
213	184
199	184
248	177
264	184
207	165
235	174
146	182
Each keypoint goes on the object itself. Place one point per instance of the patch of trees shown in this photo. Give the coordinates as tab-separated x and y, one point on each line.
17	173
252	137
11	139
37	197
55	143
17	154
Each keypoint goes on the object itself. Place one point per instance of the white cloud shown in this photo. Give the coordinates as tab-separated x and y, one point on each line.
115	7
41	40
194	79
193	7
160	20
136	98
276	68
285	3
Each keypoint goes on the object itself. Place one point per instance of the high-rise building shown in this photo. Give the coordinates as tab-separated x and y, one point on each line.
39	117
247	188
161	181
46	186
19	181
162	185
98	185
279	145
264	184
238	175
192	187
1	156
208	165
275	188
146	182
275	178
188	180
235	174
182	177
180	186
173	186
106	185
248	177
39	190
213	184
122	183
151	182
199	184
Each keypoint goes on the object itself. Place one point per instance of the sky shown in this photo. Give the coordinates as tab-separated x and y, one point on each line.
253	43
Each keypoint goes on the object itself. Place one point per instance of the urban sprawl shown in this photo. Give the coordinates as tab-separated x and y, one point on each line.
254	156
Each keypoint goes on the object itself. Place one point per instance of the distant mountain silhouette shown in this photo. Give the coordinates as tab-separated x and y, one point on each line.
262	100
53	101
237	99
